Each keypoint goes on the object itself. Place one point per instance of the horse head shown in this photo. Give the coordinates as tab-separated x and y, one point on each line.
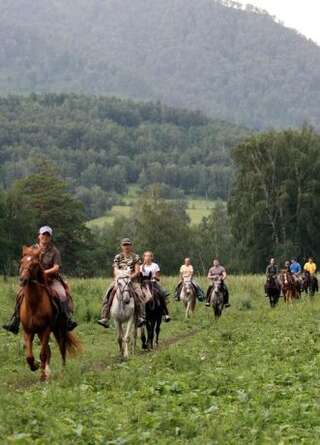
187	285
123	282
30	266
217	284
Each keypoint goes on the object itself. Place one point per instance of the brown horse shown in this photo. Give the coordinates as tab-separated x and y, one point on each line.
289	287
38	314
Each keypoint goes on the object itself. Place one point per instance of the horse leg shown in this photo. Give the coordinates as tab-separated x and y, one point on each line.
151	328
127	338
158	324
134	343
120	337
28	339
45	354
143	339
188	310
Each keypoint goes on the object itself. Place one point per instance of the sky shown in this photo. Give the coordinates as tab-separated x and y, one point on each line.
303	15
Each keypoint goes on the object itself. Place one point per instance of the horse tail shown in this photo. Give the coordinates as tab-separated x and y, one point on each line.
67	342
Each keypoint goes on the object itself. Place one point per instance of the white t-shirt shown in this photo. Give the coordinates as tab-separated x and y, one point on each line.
147	268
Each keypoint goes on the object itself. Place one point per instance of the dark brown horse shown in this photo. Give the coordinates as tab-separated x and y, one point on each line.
38	314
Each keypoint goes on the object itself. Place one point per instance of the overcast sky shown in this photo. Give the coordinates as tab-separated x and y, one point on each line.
303	15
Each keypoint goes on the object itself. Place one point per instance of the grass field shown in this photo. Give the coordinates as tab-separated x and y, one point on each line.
197	209
251	378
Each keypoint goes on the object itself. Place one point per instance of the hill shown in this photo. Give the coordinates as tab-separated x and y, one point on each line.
102	146
233	64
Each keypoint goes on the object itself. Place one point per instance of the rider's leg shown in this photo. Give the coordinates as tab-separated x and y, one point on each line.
140	304
59	290
208	295
106	307
164	306
14	323
162	294
177	291
226	296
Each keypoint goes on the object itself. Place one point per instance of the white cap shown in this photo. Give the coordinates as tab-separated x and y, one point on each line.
45	229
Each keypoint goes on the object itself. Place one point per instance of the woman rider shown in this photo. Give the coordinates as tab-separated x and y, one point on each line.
151	270
50	260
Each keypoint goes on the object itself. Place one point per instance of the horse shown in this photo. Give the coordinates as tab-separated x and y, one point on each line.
216	297
38	314
273	290
123	313
188	296
310	283
154	313
289	287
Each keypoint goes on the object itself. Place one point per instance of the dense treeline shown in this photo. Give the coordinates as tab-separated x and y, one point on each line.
234	64
102	145
274	204
273	210
155	223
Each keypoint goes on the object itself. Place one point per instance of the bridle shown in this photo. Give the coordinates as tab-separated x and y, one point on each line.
123	286
32	269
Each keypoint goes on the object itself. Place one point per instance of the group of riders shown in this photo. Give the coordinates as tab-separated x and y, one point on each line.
300	276
144	282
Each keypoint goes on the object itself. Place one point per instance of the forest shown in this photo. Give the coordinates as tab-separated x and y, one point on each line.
232	64
103	145
272	210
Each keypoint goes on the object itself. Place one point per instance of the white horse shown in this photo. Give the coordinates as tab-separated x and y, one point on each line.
123	313
188	296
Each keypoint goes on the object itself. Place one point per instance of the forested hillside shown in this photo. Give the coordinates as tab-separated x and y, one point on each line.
232	64
101	146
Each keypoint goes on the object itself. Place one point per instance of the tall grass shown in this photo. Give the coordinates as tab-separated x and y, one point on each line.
251	378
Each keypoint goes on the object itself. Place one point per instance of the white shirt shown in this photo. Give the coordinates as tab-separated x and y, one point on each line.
152	268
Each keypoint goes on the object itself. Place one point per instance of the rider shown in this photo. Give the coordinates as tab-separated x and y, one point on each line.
310	266
295	269
218	271
50	260
187	272
287	266
272	272
129	261
151	270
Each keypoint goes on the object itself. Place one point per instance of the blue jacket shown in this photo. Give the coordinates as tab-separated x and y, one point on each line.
295	267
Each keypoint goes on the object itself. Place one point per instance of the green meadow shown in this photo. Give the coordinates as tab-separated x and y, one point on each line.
197	209
250	378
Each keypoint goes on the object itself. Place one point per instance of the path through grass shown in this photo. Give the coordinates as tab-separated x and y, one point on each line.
251	378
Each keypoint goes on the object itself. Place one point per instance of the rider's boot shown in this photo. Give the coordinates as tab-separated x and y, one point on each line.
105	316
141	315
13	325
163	301
70	324
226	298
104	322
208	296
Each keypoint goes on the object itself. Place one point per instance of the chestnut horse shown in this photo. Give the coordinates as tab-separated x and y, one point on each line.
289	287
38	314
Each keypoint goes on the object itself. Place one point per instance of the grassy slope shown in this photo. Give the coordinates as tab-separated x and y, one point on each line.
197	209
251	378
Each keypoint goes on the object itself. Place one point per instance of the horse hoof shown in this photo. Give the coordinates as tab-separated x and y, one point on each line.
34	366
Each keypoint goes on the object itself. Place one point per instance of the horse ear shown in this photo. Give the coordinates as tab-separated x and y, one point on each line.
25	250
